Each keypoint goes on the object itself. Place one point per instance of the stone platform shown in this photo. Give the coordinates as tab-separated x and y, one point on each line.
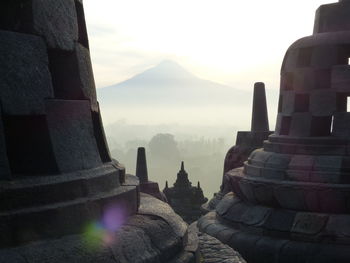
155	234
264	234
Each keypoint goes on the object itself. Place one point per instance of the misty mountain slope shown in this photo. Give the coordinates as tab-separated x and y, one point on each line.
169	84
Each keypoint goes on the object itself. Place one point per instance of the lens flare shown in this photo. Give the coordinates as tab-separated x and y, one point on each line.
101	233
113	218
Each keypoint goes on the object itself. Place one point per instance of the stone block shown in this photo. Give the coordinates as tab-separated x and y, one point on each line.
225	235
29	147
345	167
54	20
5	172
323	102
290	60
325	177
333	201
260	158
321	126
297	252
280	220
277	174
152	206
226	202
244	244
339	226
86	75
100	137
72	75
323	79
305	56
325	56
252	170
11	256
341	124
214	229
299	176
328	163
287	148
255	215
72	135
309	223
288	102
160	233
304	80
300	125
264	195
332	18
308	82
290	197
312	201
341	78
235	212
278	123
302	162
278	161
302	102
83	36
268	249
248	190
25	77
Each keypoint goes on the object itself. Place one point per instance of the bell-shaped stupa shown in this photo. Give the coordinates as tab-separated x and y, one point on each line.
291	202
62	197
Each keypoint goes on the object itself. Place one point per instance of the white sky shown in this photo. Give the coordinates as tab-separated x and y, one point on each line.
227	41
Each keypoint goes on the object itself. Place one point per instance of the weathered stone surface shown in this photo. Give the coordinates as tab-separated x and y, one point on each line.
341	124
341	78
227	201
332	18
72	75
308	223
72	135
56	21
213	251
152	206
143	238
5	172
86	75
25	77
323	102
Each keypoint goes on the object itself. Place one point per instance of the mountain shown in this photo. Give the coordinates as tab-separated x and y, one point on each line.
169	84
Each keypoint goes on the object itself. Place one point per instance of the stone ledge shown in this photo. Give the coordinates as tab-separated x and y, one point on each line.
156	237
211	250
260	248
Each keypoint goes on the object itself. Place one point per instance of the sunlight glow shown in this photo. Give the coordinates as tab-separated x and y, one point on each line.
225	41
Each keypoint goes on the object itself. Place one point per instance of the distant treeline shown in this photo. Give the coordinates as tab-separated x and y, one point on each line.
203	158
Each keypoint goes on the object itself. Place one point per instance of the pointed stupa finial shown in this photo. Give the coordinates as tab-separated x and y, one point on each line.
141	165
182	166
166	185
199	185
260	120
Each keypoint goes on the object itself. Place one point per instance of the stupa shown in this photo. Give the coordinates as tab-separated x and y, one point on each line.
291	202
185	199
146	186
246	142
63	198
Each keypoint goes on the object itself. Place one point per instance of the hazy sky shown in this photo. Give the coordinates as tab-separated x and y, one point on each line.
228	41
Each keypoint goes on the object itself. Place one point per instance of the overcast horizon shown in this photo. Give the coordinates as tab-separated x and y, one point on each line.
231	43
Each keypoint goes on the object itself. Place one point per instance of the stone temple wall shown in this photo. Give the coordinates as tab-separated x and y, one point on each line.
47	73
291	199
62	197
